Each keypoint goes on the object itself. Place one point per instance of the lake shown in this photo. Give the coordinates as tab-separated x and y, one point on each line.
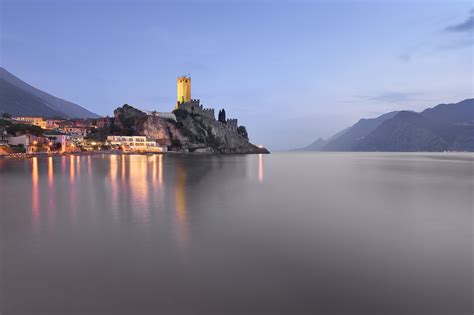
285	233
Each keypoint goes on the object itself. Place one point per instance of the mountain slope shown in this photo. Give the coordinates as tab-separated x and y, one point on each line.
315	146
18	102
461	112
347	141
446	127
37	102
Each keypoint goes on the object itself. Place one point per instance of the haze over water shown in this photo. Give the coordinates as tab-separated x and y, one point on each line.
292	233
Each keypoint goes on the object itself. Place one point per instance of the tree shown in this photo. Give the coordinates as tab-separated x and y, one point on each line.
243	132
6	115
221	116
20	129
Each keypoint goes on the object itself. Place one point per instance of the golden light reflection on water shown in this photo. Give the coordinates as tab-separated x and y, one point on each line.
154	169
72	174
50	172
113	182
123	168
89	166
157	169
51	203
72	188
138	184
160	169
260	167
78	165
181	207
113	167
35	192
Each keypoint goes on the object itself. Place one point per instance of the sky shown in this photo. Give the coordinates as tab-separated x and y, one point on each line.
290	71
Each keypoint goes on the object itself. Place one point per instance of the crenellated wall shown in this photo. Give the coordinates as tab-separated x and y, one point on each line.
232	123
194	107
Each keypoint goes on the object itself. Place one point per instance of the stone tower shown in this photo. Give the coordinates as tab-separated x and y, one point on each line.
183	87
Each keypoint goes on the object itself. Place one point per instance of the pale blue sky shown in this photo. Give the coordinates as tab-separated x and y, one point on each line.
291	71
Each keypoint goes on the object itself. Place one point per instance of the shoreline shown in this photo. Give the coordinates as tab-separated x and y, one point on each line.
20	156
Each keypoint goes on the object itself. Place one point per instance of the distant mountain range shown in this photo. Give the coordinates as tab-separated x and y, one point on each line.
445	127
18	98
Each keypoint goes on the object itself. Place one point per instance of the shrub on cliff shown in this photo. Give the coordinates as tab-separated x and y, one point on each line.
127	118
243	132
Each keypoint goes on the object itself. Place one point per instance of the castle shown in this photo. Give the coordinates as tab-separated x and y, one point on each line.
193	106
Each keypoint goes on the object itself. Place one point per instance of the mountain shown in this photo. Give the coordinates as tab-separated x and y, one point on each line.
446	127
317	145
461	112
347	141
21	99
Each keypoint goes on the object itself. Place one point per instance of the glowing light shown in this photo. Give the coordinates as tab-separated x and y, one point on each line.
138	180
71	169
181	208
35	192
50	172
35	142
113	167
160	169
51	203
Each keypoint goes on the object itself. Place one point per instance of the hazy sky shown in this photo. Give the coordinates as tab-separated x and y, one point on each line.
291	71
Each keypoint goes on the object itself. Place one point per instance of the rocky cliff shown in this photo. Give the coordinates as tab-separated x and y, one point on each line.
189	133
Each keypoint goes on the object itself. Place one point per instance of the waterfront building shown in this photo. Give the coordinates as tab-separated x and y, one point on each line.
136	143
59	140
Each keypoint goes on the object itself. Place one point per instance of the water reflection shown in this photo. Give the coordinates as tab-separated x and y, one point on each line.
260	167
71	169
138	186
89	166
160	169
50	172
35	192
72	188
113	182
51	204
181	207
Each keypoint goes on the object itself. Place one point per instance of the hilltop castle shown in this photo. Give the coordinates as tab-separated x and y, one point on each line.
193	106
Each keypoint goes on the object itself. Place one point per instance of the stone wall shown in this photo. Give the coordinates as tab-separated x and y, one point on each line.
194	107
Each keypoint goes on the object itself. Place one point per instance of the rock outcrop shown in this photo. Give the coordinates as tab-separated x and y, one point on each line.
189	133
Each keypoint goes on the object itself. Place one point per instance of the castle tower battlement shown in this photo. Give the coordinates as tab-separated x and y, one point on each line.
183	85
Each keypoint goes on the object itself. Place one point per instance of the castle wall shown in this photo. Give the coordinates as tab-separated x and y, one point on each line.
194	107
232	123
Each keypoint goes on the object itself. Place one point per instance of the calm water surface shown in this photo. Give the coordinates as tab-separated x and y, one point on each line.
289	233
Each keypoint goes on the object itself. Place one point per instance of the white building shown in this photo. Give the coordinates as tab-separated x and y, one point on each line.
135	143
57	138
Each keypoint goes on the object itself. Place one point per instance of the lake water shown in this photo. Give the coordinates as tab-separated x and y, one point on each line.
286	233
